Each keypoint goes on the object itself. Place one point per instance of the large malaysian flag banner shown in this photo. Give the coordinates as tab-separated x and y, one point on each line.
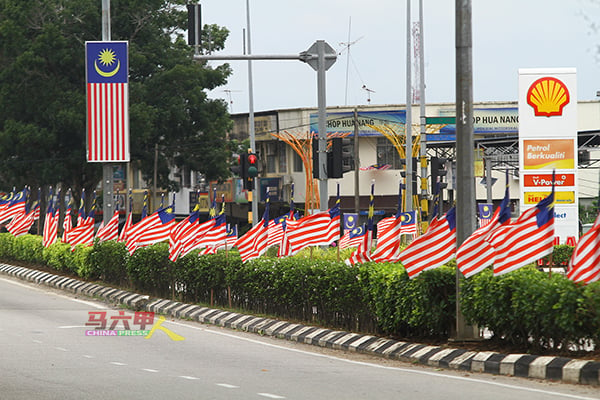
107	81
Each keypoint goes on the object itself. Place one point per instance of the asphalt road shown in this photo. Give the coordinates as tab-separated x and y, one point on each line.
45	354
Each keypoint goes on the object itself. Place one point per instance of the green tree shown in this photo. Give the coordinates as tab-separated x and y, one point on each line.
43	98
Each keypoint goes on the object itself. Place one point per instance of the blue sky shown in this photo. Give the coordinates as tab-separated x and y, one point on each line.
507	35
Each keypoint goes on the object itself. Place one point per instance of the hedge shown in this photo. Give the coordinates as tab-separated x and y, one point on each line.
527	307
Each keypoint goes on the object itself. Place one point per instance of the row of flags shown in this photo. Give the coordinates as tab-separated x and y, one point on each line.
499	242
504	244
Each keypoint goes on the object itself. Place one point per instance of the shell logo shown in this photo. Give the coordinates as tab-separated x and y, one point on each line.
548	96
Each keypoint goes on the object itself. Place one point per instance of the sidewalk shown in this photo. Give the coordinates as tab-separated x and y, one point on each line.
523	365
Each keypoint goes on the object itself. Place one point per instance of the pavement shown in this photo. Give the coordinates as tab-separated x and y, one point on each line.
550	368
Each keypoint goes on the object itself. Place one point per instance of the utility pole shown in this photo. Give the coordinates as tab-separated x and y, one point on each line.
107	167
251	131
408	124
465	180
356	165
423	121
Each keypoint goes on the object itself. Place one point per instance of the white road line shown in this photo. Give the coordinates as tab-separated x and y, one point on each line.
192	378
37	341
419	372
149	370
270	396
87	356
228	386
117	363
61	349
460	378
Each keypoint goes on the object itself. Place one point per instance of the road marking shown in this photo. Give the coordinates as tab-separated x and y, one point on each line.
227	385
270	396
117	363
61	349
37	341
87	356
460	378
192	378
149	370
420	372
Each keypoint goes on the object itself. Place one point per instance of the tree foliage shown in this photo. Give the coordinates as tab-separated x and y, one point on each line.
43	92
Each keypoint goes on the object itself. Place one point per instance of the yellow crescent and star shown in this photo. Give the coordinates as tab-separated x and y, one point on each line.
107	57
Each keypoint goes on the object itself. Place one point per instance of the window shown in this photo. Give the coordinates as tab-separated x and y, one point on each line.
297	163
282	153
387	153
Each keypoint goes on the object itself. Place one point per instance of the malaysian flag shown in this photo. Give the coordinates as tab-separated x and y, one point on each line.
485	213
275	231
254	242
350	221
182	232
350	228
14	207
107	77
389	231
476	253
584	265
230	238
285	249
50	223
353	237
110	231
319	229
22	223
525	240
377	167
434	248
83	233
152	229
210	233
363	252
5	201
215	235
232	235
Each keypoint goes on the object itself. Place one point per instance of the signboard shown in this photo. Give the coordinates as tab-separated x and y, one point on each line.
541	180
548	142
549	154
342	122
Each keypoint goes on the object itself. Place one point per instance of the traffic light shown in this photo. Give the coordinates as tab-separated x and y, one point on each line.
315	157
340	160
194	24
236	167
412	179
250	167
438	170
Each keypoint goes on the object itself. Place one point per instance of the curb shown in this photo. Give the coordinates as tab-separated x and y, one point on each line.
522	365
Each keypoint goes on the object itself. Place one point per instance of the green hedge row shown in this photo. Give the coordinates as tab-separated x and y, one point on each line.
527	307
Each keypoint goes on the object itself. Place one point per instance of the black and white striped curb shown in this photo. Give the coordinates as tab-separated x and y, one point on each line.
521	365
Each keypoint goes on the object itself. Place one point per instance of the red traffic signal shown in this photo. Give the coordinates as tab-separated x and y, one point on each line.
252	165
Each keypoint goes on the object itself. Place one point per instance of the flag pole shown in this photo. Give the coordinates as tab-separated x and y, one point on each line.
107	167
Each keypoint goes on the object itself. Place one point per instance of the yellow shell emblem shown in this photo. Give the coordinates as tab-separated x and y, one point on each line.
548	96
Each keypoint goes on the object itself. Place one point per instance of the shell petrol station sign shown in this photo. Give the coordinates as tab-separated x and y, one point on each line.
547	142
